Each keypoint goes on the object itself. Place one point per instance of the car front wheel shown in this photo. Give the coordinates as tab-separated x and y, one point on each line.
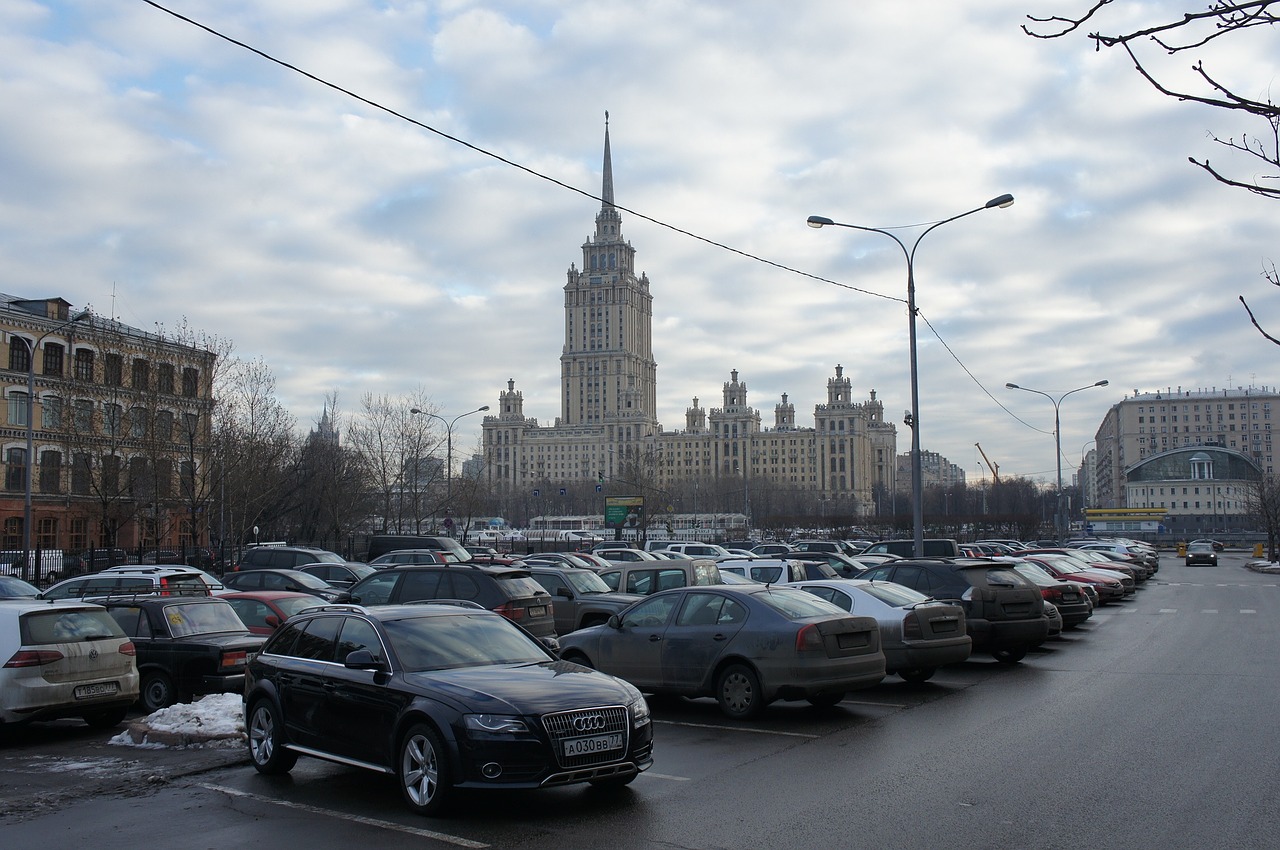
266	740
157	691
918	674
1010	656
424	771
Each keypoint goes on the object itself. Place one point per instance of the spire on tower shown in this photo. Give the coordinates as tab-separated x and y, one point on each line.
606	191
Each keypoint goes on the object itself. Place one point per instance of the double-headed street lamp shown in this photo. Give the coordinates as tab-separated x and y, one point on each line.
917	485
448	433
1058	524
32	347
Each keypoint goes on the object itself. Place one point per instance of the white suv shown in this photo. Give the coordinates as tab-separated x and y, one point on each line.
698	550
67	659
135	579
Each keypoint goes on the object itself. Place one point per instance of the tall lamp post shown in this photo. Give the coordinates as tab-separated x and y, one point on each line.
1058	524
448	435
917	484
32	347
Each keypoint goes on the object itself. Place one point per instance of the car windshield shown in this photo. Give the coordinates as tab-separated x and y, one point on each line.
308	580
202	618
330	558
893	594
12	587
291	605
586	581
796	604
465	640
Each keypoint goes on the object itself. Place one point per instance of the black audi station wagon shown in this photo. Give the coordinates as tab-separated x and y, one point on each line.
441	696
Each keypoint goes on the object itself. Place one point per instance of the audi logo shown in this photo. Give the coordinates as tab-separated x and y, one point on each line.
588	723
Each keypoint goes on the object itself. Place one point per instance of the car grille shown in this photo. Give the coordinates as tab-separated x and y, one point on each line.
587	723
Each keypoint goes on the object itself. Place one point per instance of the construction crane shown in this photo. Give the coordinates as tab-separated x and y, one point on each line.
995	468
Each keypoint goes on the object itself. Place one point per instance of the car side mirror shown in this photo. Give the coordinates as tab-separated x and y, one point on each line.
362	659
273	621
345	596
565	592
613	622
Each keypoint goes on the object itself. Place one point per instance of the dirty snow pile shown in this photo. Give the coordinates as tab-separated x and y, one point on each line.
212	721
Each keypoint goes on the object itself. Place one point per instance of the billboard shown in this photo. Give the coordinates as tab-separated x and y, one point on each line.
624	512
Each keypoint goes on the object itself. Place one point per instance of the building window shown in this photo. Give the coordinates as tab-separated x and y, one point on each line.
137	422
84	415
112	370
84	364
19	354
111	415
110	475
51	472
164	378
51	413
164	425
15	469
53	356
18	409
81	474
141	374
190	382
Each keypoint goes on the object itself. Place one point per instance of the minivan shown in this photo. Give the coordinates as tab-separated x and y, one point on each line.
381	544
937	547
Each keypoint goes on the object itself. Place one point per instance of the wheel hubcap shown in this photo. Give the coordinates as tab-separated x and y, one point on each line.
261	742
420	770
737	692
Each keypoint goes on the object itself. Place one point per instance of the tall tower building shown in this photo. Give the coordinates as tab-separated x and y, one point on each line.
607	371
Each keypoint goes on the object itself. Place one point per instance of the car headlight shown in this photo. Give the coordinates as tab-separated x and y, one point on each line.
639	710
495	724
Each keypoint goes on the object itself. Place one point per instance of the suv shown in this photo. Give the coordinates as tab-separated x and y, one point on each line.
579	596
64	660
509	591
933	548
645	577
1004	612
440	697
451	549
186	646
285	558
134	579
779	570
698	550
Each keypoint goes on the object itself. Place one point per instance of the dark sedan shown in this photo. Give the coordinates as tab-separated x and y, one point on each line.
294	580
441	696
745	645
1201	553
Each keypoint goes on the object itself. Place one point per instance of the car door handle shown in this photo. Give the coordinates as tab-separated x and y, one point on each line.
654	638
719	636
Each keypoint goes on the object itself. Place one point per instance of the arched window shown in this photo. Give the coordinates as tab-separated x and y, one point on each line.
19	354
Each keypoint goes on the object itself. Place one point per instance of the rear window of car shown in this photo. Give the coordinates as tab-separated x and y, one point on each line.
192	582
54	626
1004	578
893	594
796	604
202	618
520	586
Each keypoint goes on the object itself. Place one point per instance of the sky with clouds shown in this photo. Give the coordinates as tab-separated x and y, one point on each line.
155	171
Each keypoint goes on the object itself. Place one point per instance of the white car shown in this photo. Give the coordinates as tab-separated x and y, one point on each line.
66	659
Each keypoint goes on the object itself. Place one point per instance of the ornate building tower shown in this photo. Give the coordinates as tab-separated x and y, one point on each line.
607	371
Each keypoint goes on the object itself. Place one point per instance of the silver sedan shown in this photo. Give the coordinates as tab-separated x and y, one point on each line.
918	634
745	645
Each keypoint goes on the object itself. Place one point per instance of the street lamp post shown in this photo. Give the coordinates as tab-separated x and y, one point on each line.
448	435
917	485
31	404
1058	524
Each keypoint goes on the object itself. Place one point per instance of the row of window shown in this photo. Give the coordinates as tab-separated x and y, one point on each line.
140	477
116	422
112	368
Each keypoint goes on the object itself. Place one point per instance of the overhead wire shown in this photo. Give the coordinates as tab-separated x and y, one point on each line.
535	173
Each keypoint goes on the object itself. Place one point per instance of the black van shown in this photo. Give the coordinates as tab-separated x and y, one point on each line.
381	544
937	547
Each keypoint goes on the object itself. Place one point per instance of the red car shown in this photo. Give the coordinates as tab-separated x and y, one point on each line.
1066	568
262	611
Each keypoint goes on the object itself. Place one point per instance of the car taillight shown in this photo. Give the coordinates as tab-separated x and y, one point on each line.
234	659
1053	594
911	626
127	648
33	658
510	611
809	639
164	587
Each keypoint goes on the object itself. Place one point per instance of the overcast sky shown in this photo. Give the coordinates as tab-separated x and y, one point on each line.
154	171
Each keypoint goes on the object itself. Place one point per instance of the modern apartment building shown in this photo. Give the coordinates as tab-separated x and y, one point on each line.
608	429
120	424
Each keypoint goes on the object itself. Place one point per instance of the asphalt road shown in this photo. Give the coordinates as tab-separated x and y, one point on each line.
1148	727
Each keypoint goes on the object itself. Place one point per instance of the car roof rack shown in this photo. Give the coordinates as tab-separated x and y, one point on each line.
457	603
157	593
349	607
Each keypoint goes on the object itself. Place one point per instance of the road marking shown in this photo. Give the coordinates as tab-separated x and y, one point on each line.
873	704
1248	611
1168	610
316	810
1208	610
665	776
737	729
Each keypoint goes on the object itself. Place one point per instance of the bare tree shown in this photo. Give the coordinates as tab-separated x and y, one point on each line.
1188	33
1263	501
